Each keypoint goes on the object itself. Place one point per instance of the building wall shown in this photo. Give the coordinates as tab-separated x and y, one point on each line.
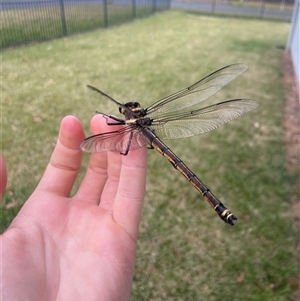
294	40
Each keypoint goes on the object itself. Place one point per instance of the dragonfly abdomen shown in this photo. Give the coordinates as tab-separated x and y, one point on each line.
178	164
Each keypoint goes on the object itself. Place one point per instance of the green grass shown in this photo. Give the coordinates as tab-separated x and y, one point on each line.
185	251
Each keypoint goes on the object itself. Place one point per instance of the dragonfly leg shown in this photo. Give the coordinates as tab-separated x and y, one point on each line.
128	145
119	121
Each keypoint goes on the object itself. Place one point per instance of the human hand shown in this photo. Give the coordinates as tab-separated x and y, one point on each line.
81	247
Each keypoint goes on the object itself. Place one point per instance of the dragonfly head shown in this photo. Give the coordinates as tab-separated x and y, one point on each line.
132	106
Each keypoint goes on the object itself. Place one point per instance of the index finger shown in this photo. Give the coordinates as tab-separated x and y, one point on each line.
65	161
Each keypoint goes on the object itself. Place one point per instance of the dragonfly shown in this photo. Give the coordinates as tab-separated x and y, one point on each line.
175	116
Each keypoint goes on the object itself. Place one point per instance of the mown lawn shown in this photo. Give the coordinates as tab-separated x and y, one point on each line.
185	251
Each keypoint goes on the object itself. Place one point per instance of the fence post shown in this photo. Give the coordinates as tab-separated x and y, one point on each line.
133	9
169	4
105	13
262	9
213	6
153	6
63	17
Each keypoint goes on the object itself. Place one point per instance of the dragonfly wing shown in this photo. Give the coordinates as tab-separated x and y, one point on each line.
117	141
196	93
202	120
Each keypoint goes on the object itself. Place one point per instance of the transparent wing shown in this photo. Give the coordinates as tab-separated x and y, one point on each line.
197	92
202	120
127	138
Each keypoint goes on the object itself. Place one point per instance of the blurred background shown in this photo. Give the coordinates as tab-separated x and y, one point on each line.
145	50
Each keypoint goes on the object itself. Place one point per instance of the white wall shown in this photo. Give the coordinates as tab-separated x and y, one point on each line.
294	40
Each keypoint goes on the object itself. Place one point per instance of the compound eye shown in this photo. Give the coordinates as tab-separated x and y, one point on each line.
135	105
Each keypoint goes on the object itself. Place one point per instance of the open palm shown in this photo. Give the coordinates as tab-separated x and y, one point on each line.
81	247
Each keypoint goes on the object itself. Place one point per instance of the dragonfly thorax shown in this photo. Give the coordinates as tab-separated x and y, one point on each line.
132	105
133	110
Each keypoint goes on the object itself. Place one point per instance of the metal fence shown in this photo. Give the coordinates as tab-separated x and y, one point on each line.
28	21
279	9
25	21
